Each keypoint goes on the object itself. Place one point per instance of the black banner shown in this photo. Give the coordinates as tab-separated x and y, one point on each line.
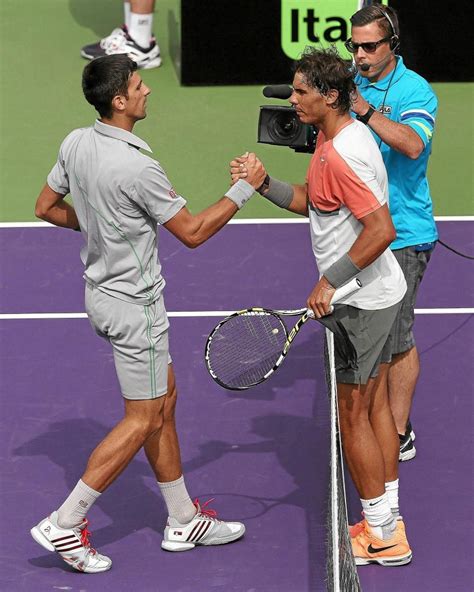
233	42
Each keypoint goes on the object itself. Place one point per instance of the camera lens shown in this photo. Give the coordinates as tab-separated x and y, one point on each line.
284	126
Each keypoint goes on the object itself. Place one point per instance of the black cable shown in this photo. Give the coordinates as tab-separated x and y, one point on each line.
454	250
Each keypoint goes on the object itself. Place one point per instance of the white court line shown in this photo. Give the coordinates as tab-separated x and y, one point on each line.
238	221
199	313
221	313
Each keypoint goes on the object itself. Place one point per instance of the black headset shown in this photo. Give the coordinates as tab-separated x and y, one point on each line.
394	43
395	39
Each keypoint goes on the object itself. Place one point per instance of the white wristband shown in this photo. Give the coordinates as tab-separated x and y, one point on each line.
240	193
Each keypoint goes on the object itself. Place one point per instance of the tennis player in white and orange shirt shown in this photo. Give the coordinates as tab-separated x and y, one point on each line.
346	198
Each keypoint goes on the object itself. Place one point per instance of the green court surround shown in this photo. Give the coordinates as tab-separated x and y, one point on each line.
194	131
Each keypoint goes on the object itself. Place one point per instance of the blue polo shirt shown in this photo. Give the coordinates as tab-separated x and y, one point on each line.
409	100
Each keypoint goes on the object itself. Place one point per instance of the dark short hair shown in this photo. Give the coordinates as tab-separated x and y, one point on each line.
324	70
377	13
106	77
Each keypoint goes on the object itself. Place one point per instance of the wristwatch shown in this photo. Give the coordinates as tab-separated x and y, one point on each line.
365	118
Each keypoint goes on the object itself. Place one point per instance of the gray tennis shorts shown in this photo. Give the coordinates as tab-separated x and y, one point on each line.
413	264
369	332
139	338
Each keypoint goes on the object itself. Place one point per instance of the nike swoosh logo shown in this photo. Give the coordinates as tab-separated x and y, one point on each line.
371	549
374	504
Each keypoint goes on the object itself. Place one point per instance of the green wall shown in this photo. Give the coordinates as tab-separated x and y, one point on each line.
194	132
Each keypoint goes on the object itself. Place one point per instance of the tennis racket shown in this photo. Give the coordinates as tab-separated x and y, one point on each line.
247	347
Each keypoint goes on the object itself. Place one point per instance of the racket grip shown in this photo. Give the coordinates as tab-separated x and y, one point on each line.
344	291
349	288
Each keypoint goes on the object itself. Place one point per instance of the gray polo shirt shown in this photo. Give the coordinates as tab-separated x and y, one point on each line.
119	195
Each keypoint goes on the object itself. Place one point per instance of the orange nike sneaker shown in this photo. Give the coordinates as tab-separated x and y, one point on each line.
355	529
368	548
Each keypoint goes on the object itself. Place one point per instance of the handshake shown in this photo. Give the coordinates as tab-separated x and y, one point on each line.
249	168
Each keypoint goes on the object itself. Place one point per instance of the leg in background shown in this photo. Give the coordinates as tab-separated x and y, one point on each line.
402	378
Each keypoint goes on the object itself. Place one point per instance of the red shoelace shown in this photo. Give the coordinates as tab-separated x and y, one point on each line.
85	534
203	510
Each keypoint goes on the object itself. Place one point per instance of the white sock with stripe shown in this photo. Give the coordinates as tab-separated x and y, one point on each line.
391	488
177	500
378	514
140	29
74	509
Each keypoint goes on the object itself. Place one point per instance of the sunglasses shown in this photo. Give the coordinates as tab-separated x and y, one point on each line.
368	47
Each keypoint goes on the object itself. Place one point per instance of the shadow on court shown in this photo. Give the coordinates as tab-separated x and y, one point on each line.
100	17
291	444
67	444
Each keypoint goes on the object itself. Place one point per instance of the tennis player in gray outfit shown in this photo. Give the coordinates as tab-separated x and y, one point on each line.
119	196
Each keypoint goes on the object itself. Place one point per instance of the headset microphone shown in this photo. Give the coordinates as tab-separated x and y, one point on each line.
366	67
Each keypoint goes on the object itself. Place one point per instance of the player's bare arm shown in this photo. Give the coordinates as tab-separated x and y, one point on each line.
51	207
377	234
398	136
299	199
193	230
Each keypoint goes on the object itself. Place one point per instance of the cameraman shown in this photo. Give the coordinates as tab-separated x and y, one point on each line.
399	107
345	197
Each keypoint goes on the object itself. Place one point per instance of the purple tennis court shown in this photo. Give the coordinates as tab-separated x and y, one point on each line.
263	455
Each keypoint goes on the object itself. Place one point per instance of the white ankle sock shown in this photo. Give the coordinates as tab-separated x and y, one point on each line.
378	514
391	489
140	29
74	509
177	500
126	14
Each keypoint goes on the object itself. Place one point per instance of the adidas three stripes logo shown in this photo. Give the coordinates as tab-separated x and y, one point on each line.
66	544
199	531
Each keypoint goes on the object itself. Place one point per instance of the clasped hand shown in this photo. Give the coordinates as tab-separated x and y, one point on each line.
248	167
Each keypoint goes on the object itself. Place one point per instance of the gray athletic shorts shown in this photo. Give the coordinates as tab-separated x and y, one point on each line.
139	338
369	331
413	264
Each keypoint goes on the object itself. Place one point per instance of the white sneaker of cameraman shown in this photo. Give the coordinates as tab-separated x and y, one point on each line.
71	543
204	529
118	42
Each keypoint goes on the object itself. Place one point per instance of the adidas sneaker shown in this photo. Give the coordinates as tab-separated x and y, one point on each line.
72	544
204	529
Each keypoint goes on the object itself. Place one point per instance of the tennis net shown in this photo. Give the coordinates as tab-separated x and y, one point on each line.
340	565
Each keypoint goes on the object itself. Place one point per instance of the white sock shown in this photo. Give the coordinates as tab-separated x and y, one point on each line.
140	29
126	13
378	514
74	509
177	500
391	489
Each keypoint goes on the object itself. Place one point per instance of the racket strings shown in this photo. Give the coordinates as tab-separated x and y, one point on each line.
246	347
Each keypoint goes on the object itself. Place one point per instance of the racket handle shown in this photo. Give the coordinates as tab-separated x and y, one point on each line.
349	288
344	291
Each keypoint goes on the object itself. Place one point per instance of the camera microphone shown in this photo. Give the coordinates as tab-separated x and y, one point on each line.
277	91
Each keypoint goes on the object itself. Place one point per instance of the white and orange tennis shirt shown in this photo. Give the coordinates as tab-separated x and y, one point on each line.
347	180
